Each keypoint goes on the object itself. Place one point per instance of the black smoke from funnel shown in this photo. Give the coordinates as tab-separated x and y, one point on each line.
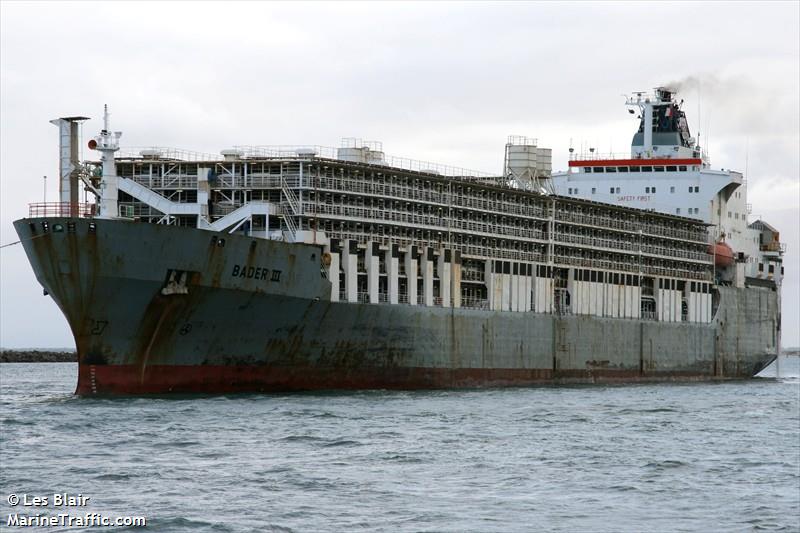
736	105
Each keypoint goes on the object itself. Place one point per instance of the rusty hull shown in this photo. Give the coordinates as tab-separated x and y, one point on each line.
262	331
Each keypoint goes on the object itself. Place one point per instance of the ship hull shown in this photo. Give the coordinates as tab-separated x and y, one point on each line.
162	309
210	379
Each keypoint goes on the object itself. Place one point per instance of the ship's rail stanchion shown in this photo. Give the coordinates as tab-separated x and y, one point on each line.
61	209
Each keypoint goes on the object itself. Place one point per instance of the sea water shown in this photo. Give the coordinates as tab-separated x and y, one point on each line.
661	457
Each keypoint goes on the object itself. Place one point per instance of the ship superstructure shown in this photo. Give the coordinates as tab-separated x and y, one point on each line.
668	171
270	268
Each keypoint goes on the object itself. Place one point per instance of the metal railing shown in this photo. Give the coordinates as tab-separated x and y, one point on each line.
600	156
593	155
474	303
61	209
291	197
327	152
161	153
289	220
774	247
286	151
562	309
170	181
293	204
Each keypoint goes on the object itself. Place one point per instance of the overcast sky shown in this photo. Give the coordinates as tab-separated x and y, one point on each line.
444	82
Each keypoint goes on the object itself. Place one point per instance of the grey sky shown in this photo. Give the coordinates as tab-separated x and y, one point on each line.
444	82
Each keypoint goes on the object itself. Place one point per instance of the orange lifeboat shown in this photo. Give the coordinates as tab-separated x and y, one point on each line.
723	254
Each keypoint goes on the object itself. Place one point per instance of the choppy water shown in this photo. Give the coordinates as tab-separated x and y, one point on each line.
695	457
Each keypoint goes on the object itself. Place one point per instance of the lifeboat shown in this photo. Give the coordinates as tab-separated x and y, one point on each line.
723	254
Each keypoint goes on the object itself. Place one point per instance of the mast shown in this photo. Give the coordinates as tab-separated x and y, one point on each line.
107	143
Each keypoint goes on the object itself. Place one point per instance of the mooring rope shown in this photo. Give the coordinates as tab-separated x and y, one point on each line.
22	240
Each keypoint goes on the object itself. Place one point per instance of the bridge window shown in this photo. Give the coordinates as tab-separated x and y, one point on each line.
635	169
658	169
598	169
647	169
672	189
622	169
672	169
682	168
588	170
611	169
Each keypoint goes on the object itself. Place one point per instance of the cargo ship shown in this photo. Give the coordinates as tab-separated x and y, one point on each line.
277	268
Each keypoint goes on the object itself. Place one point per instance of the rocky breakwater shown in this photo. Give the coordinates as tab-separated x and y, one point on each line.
38	356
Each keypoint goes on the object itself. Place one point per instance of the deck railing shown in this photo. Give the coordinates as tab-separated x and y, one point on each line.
61	209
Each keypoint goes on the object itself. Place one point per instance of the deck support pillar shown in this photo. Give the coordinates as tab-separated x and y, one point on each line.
410	262
334	249
350	266
392	272
455	279
372	262
443	267
426	265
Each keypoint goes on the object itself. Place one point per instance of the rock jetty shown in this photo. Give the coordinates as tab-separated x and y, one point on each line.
38	356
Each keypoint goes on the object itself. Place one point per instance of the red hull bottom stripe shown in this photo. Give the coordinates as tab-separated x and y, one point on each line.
164	379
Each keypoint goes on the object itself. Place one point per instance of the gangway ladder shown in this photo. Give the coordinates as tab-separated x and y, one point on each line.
293	204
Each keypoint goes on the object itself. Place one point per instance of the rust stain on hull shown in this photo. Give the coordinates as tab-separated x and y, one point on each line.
166	309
